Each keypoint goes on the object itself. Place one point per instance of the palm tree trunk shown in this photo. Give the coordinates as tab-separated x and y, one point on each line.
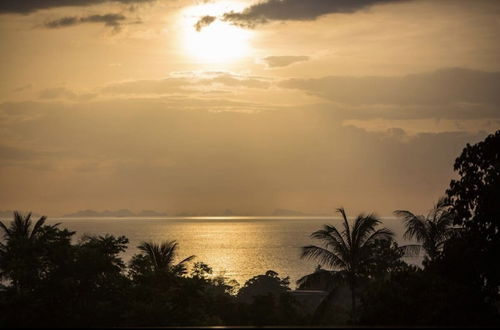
353	302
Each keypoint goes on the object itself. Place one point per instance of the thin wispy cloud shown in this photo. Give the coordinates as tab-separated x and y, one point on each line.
111	20
282	61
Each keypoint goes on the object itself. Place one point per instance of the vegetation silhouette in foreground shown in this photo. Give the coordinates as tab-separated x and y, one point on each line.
431	231
350	249
161	257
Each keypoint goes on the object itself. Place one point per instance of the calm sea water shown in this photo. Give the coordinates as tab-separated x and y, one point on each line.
241	247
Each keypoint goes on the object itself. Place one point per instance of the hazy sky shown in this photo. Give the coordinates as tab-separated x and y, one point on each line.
202	106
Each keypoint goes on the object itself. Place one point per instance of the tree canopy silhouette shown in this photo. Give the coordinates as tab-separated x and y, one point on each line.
350	249
431	231
475	196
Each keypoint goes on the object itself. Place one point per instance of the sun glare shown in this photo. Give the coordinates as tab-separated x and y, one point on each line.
218	42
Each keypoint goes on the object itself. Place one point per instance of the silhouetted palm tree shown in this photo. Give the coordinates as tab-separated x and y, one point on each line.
348	250
18	251
431	231
162	257
22	227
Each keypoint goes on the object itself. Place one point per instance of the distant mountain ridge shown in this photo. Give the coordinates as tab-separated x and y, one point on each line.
117	213
275	213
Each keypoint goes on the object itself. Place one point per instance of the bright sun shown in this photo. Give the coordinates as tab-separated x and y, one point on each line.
218	42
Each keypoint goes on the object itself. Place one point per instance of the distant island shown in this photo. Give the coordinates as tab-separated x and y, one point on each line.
229	213
117	213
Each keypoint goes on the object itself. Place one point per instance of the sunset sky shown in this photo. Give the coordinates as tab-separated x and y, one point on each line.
202	106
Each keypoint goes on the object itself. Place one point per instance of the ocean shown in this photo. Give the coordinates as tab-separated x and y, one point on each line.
236	247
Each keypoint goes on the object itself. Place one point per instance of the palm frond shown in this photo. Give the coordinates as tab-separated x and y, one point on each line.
432	231
410	250
330	232
168	250
364	226
379	234
5	229
443	202
38	225
180	268
151	250
332	239
415	225
186	260
323	256
347	229
162	256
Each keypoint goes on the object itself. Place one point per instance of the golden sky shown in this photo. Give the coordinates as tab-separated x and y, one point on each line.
202	106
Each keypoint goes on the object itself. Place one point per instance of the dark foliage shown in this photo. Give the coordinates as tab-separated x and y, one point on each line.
50	282
475	196
459	285
350	249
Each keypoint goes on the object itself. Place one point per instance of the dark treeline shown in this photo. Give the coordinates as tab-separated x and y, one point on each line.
50	281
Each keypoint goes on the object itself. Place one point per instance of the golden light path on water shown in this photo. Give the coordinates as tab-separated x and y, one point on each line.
241	247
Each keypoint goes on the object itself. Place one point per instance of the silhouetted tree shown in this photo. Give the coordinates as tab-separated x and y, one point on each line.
268	283
25	251
475	197
158	258
350	249
320	279
425	297
386	259
266	300
459	284
55	283
22	227
431	231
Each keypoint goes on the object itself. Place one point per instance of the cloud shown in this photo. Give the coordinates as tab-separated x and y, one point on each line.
281	61
139	152
159	86
186	82
64	93
204	21
112	20
232	80
451	94
297	10
29	6
22	88
25	158
441	87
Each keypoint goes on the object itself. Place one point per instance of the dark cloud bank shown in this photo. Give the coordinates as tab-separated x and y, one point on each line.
441	87
29	6
295	10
